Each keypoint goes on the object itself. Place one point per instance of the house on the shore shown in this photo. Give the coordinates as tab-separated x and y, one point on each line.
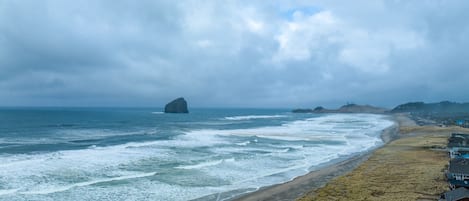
462	122
458	145
459	194
458	173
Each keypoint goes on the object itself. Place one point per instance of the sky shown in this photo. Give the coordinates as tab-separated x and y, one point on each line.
268	54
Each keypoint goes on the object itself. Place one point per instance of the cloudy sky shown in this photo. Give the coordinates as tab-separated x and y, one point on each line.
232	53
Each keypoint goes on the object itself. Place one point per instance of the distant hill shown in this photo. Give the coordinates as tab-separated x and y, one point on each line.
441	109
444	107
443	113
349	108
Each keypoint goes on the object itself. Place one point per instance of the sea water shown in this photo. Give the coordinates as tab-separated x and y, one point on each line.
144	154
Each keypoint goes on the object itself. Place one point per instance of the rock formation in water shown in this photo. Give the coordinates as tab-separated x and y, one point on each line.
178	105
301	110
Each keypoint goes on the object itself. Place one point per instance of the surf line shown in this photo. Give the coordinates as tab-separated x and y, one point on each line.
87	183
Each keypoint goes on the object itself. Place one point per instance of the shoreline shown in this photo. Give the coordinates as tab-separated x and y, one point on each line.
299	186
411	167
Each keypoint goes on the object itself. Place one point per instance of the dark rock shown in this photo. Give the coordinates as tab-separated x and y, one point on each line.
176	106
302	111
319	109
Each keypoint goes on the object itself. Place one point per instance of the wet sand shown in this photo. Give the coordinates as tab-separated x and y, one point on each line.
303	184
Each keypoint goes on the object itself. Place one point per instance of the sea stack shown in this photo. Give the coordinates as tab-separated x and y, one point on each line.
178	105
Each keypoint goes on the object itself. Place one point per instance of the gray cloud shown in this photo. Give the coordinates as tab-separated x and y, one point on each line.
232	53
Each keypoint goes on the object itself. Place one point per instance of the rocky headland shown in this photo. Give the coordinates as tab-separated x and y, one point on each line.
348	108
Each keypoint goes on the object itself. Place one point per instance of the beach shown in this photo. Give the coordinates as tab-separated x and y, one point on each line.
408	167
246	153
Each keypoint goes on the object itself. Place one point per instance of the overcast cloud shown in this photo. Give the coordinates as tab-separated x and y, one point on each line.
232	53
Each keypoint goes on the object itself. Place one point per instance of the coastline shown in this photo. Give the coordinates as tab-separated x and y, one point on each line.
316	179
408	168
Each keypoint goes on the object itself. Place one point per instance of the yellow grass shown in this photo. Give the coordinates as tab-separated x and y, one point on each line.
410	168
431	129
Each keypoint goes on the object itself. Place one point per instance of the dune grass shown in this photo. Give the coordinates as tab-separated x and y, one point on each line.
410	168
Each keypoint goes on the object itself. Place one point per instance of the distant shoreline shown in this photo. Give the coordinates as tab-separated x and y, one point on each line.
315	179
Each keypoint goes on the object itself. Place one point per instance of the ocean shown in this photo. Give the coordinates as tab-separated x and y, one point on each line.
144	154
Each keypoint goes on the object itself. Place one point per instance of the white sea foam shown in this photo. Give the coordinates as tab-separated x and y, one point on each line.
87	183
8	191
310	129
217	156
157	112
250	117
243	143
205	164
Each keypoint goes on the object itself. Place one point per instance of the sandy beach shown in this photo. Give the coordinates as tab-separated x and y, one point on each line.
408	167
299	186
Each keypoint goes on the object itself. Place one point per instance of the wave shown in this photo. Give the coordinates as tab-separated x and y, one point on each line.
272	173
9	191
87	183
205	164
327	128
157	112
213	156
243	143
249	117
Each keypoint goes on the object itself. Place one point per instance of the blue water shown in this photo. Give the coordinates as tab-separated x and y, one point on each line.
143	154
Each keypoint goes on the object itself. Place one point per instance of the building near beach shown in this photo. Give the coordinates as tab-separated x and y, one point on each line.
459	194
459	152
458	173
462	122
458	145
